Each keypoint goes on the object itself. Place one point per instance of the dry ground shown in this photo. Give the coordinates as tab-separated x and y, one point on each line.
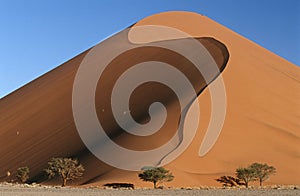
25	190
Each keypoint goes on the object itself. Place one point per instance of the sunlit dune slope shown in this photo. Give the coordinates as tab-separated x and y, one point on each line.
261	125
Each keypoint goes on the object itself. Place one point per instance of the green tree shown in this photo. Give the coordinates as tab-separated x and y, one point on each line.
245	174
66	168
156	175
262	171
22	174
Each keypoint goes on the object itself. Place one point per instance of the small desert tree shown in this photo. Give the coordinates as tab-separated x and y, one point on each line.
245	174
22	174
67	168
156	175
262	171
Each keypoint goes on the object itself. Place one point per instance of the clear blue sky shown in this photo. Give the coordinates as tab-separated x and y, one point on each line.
38	35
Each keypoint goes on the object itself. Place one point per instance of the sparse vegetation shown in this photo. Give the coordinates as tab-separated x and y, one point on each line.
255	172
156	175
262	171
66	168
22	174
245	174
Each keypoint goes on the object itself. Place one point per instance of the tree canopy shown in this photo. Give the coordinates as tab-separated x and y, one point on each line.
262	171
67	168
156	175
245	174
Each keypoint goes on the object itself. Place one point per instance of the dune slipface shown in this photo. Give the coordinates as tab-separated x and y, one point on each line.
261	124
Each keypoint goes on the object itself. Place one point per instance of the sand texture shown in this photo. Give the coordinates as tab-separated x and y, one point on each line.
262	117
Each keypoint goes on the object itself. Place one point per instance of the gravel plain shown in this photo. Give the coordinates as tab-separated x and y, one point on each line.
26	190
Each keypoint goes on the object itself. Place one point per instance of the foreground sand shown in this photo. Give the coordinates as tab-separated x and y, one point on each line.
16	190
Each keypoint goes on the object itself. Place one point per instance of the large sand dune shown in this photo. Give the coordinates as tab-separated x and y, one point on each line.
261	125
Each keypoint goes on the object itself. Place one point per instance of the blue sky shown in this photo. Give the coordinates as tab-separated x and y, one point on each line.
37	36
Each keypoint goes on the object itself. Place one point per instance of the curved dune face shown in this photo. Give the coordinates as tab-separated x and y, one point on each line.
142	97
141	91
153	91
170	71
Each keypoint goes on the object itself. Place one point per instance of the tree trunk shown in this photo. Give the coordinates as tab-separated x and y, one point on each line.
260	182
64	182
154	183
246	184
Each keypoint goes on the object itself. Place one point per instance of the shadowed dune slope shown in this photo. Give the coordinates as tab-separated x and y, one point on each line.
261	125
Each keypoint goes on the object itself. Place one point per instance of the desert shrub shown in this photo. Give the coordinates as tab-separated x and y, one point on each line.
22	174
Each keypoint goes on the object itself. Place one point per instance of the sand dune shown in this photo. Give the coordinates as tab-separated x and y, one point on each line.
261	124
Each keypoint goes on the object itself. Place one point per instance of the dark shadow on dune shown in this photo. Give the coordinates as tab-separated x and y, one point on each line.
151	92
53	133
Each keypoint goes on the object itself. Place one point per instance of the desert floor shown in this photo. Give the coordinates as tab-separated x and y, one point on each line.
8	190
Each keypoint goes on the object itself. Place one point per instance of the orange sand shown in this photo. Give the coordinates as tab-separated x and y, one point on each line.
261	125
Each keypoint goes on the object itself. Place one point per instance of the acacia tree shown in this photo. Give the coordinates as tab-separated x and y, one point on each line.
245	174
262	171
66	168
23	174
156	175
